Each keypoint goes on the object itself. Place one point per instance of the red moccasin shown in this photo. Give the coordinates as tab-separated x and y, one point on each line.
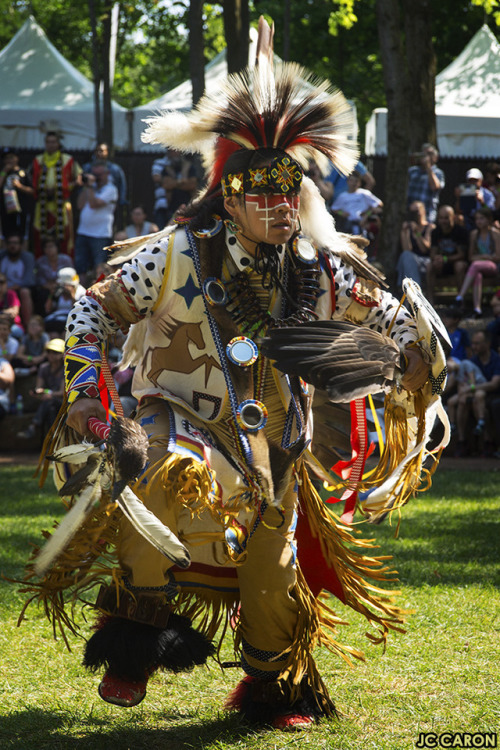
292	722
120	692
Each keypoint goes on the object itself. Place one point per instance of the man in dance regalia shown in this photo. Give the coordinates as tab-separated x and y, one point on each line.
229	466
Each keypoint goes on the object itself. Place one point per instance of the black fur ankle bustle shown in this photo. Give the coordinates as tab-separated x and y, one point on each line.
260	702
130	650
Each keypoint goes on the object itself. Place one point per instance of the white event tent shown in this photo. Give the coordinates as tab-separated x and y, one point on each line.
467	104
42	91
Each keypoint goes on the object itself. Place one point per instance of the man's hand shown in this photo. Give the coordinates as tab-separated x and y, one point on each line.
417	370
79	413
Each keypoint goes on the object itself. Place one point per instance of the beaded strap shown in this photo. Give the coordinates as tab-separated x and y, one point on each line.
82	366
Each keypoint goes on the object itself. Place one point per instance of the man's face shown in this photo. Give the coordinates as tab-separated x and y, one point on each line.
479	344
102	151
267	217
353	183
10	162
445	220
51	144
14	246
100	174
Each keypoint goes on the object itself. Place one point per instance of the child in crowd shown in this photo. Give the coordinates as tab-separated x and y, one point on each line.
8	344
31	352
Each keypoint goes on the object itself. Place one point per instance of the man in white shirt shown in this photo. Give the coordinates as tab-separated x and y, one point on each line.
353	206
96	201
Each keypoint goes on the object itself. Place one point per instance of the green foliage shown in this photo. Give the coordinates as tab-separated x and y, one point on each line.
337	39
441	675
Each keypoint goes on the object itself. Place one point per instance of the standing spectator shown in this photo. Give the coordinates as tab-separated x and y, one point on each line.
116	176
449	242
415	245
7	378
160	210
354	205
49	390
8	344
180	181
474	396
46	269
55	175
339	181
96	201
139	227
484	257
324	186
18	266
471	196
492	183
15	197
425	181
10	306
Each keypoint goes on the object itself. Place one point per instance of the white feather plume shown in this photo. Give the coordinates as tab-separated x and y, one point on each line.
152	529
69	525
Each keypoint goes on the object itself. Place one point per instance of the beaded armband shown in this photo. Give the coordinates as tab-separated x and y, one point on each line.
82	365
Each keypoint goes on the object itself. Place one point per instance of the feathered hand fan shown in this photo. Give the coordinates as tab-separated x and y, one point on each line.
345	360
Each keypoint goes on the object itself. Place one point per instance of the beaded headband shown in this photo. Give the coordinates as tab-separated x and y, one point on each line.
282	175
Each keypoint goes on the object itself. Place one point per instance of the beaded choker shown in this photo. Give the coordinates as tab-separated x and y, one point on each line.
301	288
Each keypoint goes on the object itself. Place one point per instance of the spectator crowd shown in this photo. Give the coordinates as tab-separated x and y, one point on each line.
57	218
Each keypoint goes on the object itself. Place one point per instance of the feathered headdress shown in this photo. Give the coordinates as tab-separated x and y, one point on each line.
282	107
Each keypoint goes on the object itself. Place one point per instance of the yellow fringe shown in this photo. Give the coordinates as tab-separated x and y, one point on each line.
355	569
414	477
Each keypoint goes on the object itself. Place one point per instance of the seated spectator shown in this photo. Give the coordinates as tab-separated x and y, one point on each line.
473	396
7	379
449	242
18	266
10	306
354	206
46	268
49	390
493	327
139	226
160	207
31	352
460	345
484	257
425	181
8	344
68	291
415	245
471	196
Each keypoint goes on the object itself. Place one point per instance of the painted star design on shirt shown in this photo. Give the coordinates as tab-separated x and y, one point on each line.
189	291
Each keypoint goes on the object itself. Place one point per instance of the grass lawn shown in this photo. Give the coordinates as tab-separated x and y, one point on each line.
441	676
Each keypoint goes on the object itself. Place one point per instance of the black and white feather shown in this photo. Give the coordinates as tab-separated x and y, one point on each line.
108	470
345	360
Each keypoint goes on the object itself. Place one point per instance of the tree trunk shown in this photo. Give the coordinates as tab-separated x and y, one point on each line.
96	73
422	72
398	138
107	110
237	33
196	49
286	30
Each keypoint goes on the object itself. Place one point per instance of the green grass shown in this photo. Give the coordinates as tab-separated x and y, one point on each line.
442	675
